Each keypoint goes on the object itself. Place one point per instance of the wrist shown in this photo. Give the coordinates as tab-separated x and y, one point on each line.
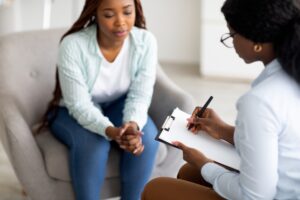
226	131
230	129
134	125
109	131
204	162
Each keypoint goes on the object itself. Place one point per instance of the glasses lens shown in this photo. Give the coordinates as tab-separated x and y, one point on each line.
227	40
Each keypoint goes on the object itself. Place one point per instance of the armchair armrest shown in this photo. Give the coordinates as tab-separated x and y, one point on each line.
23	151
167	96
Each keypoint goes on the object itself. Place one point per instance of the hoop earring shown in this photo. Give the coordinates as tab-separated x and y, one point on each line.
257	48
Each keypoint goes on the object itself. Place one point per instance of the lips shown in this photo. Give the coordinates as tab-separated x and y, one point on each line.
120	33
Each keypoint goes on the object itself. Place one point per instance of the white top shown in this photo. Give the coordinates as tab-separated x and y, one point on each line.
113	80
267	138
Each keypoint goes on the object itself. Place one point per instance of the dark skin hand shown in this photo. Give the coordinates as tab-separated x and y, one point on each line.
197	158
192	156
213	125
128	137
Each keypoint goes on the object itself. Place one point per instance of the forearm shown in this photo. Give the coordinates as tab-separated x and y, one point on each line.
227	133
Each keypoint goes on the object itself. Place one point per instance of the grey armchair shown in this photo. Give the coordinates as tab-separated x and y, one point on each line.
27	68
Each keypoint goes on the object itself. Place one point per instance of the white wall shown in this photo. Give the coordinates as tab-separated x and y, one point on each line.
215	58
9	18
23	15
187	31
174	22
176	25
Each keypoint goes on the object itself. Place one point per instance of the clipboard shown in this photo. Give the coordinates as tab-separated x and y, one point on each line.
174	129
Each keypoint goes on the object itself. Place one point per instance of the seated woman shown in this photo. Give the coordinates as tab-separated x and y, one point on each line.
266	133
106	72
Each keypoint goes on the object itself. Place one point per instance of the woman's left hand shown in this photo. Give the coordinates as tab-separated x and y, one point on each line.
192	156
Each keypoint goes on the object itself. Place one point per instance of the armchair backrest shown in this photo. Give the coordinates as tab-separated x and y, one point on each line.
27	75
27	70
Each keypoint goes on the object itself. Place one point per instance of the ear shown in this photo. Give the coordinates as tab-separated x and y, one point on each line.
257	48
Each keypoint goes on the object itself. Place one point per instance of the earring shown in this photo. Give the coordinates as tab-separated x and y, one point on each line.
257	48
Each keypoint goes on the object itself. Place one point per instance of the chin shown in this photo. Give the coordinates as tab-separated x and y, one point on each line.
247	61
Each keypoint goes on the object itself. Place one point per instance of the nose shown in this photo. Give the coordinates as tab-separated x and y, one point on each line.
120	21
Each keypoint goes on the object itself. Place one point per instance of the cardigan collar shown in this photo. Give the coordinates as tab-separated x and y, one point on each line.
93	43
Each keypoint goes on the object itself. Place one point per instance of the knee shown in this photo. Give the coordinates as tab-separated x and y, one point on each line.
148	190
183	172
153	188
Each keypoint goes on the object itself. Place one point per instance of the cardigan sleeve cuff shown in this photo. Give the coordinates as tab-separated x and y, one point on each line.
102	128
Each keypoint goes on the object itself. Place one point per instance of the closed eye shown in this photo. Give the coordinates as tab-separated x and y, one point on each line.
128	13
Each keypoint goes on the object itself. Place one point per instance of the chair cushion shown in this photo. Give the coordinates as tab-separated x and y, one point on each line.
57	163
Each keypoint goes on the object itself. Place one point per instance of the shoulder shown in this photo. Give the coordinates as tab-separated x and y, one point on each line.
142	36
276	95
78	40
277	87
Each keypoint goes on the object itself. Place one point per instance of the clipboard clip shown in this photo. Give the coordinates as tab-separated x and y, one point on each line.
168	123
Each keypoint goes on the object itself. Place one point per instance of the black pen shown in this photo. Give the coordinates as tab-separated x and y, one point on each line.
201	111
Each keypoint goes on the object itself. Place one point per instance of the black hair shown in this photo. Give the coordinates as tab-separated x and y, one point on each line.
269	21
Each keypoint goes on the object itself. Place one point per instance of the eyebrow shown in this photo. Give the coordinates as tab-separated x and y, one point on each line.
124	7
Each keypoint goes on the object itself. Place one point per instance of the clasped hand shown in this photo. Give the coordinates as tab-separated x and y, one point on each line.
128	137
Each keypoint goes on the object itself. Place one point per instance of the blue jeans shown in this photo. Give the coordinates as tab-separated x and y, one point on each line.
88	154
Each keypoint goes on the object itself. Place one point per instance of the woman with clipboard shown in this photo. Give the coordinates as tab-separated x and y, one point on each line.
266	133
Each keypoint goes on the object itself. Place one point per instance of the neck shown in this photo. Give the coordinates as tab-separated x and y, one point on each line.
268	53
268	59
106	43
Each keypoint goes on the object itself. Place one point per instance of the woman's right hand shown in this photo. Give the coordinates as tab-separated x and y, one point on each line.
127	137
211	123
114	133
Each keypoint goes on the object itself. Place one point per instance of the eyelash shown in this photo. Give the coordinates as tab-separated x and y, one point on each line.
128	13
125	13
108	16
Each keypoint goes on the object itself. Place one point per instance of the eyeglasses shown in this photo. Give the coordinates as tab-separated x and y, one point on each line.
227	39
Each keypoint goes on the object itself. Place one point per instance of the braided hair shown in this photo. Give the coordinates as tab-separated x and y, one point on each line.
269	21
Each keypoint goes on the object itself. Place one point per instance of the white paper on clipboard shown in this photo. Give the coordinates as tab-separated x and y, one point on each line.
174	129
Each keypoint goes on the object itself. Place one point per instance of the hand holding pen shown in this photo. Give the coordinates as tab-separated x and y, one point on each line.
210	123
198	113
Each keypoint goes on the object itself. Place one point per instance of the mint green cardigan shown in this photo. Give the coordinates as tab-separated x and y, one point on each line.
79	62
